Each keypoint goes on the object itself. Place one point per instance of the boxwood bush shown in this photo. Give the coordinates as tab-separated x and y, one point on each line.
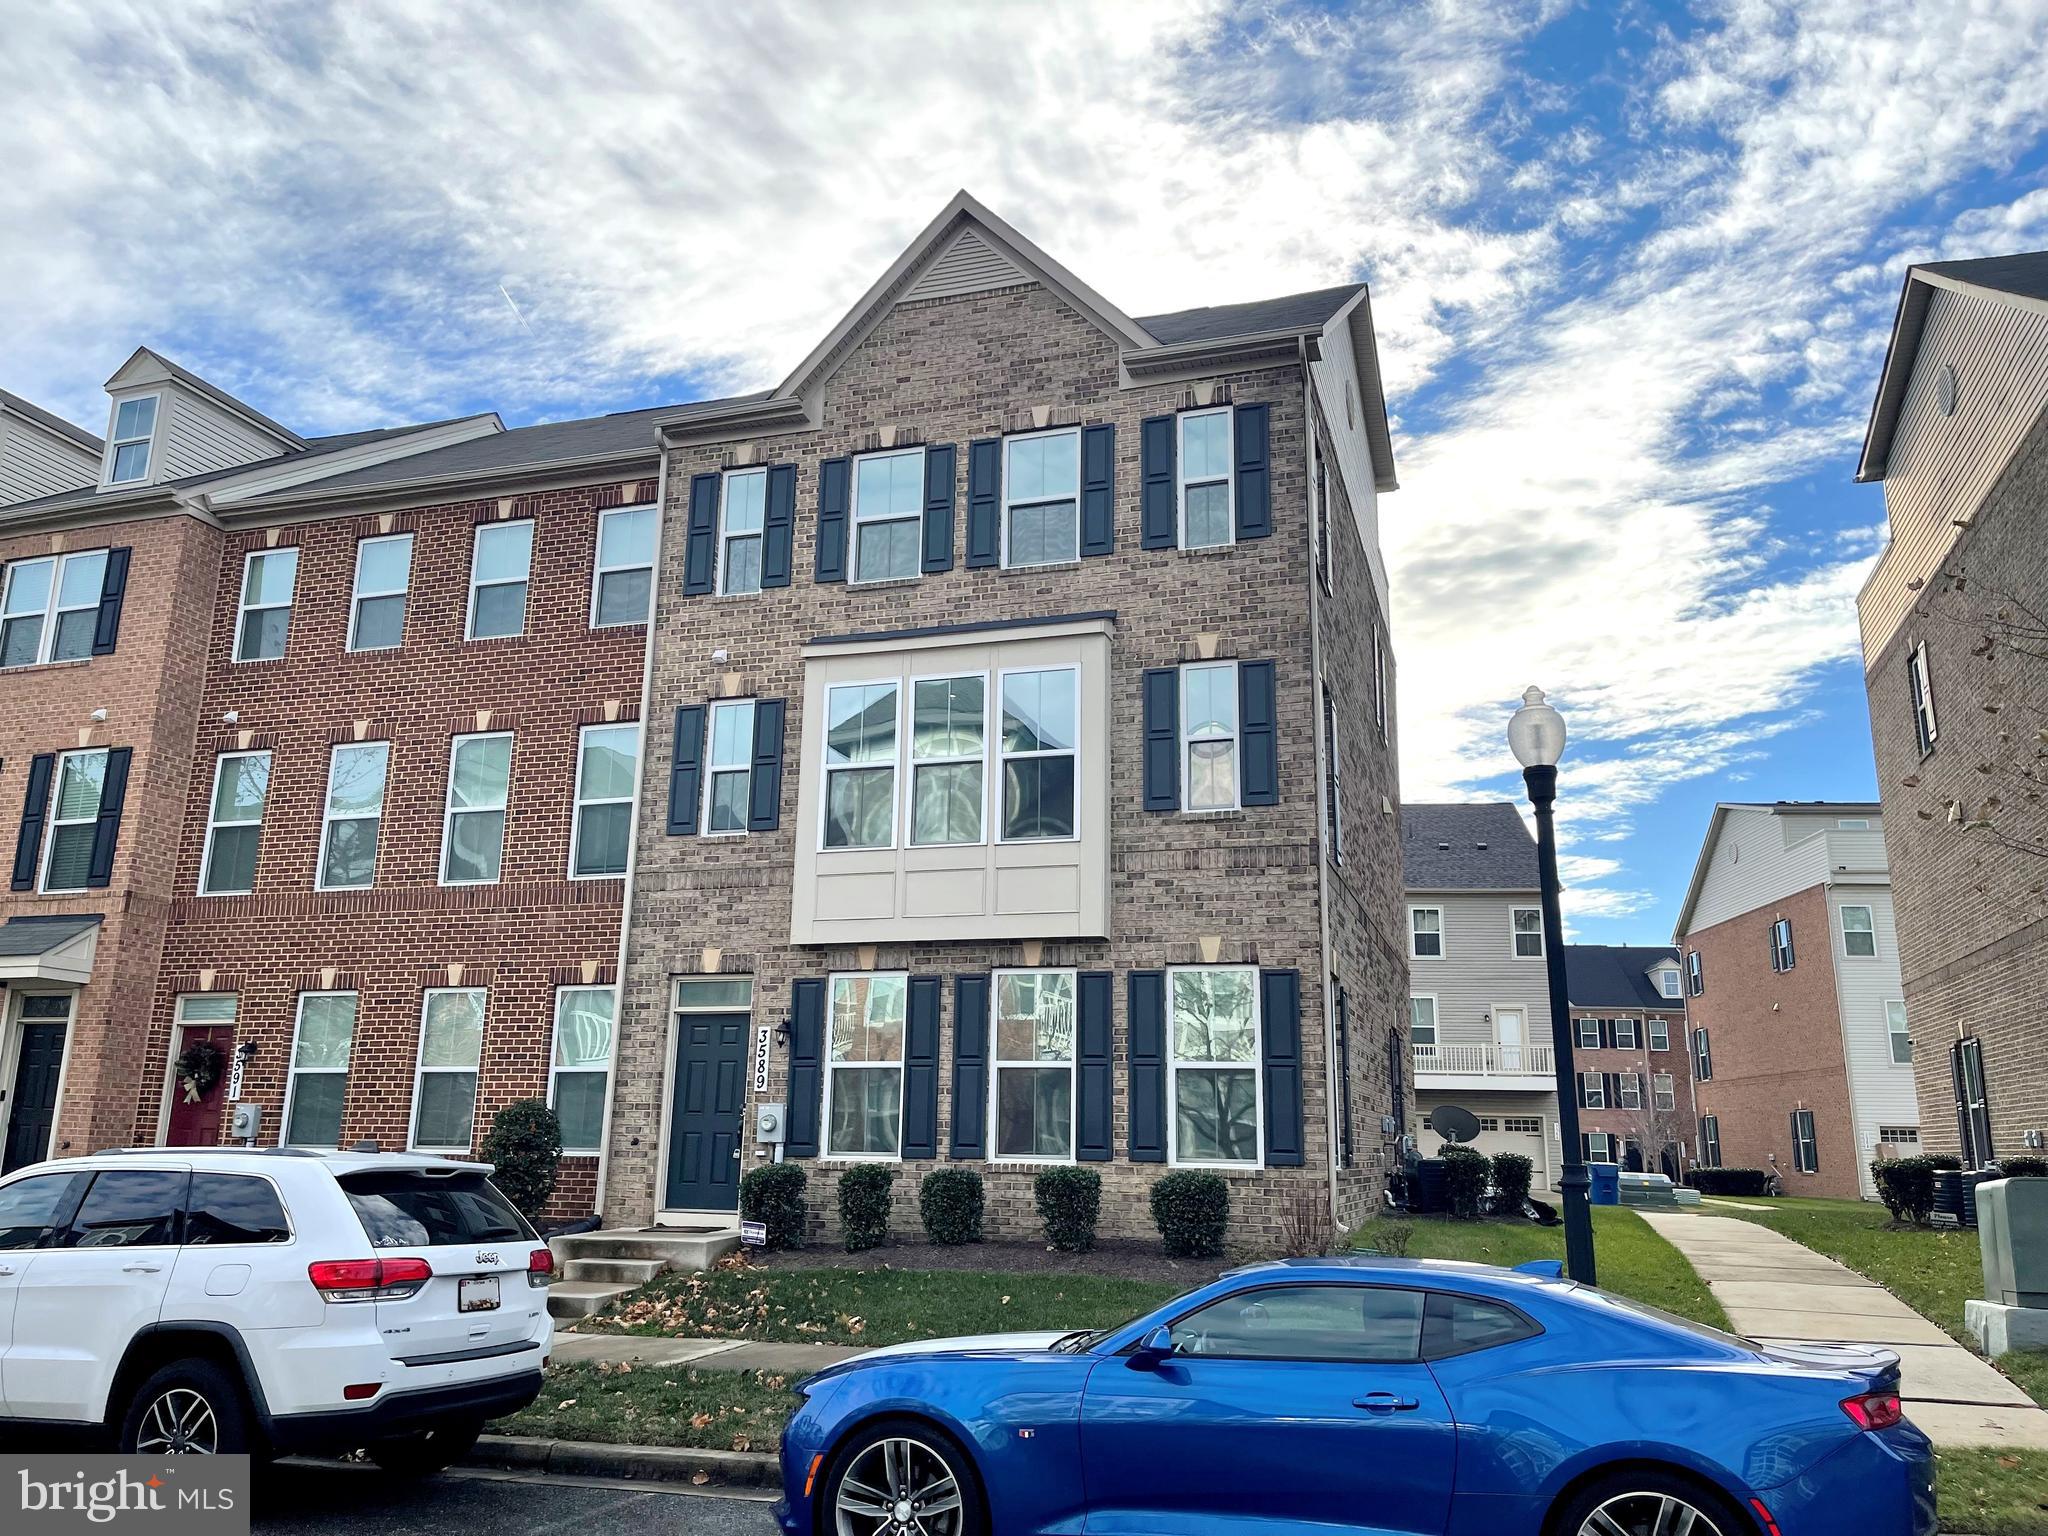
864	1205
949	1202
1192	1212
2024	1167
1069	1199
1466	1174
1511	1174
1729	1181
525	1142
774	1196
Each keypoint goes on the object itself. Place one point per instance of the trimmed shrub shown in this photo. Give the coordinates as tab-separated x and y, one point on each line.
1906	1186
949	1202
1192	1212
864	1205
1511	1175
1465	1178
525	1142
2024	1167
1069	1199
774	1196
1736	1182
1943	1162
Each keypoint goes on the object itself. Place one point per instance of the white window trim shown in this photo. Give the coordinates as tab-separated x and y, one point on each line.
328	818
243	607
220	762
448	809
1676	988
855	521
1651	1026
1443	949
1001	756
419	1070
57	820
1635	1030
1660	1096
555	1070
1623	1082
1853	823
116	444
1256	1066
1579	1033
1592	1087
1515	911
1895	1032
1925	723
1604	1155
912	762
1871	912
725	479
1435	1021
1188	739
1805	1142
1003	504
357	596
53	608
293	1071
599	570
1228	479
826	767
996	1062
579	804
476	544
902	1065
704	828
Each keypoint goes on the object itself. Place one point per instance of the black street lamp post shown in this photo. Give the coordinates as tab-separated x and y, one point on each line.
1536	736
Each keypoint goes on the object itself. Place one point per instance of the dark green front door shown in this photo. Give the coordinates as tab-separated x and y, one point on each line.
704	1119
32	1102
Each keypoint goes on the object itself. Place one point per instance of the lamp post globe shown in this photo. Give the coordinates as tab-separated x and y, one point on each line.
1536	732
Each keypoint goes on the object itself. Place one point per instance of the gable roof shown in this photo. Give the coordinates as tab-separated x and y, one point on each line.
2019	280
199	386
1850	808
1617	975
1477	846
51	423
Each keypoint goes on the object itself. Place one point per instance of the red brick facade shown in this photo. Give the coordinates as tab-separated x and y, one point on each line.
1646	1127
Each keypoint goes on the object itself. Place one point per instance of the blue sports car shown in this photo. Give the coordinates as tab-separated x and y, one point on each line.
1382	1395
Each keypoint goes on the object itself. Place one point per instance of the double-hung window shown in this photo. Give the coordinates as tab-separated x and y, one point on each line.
1663	1091
1040	746
1901	1037
1702	1057
1205	489
1034	1065
888	514
50	608
1625	1036
377	608
742	517
948	758
1208	733
1667	982
860	765
623	582
606	760
451	1053
134	426
581	1064
729	770
1781	944
1859	932
356	772
1042	497
1425	933
1630	1086
1710	1141
1593	1090
1526	931
264	618
1695	974
1660	1034
1422	1024
1333	787
1379	683
1599	1147
500	563
74	819
234	829
1213	1048
473	828
319	1069
1805	1144
1589	1034
864	1069
1920	683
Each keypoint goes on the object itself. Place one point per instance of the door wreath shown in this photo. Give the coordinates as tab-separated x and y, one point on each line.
199	1067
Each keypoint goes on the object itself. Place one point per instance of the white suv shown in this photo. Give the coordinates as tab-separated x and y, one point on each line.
201	1300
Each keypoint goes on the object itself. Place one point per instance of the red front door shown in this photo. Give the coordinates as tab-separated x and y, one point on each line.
195	1115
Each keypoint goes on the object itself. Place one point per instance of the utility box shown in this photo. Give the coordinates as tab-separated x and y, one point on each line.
2012	1225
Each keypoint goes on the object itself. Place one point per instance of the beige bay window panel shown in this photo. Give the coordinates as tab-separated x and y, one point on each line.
998	886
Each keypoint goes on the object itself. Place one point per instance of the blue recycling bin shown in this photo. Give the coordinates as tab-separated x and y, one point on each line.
1606	1183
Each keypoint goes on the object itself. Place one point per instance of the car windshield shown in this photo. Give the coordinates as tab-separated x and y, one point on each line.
1082	1340
1644	1309
416	1209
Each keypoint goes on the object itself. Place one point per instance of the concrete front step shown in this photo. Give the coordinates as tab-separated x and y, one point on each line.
582	1298
614	1271
681	1249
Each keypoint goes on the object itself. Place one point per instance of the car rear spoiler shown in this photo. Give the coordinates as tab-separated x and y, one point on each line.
1877	1366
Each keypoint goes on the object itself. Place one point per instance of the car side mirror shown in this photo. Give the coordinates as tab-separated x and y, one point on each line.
1154	1352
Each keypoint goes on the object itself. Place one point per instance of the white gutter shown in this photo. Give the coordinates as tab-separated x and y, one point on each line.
1331	1087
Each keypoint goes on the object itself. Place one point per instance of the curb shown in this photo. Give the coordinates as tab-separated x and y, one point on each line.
632	1463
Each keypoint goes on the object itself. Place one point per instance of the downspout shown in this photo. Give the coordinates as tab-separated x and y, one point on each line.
611	1079
1331	1087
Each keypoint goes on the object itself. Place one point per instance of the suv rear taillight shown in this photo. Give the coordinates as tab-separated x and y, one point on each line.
369	1279
1874	1410
540	1267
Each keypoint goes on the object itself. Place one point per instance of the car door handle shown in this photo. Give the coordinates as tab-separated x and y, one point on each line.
141	1267
6	1269
1385	1402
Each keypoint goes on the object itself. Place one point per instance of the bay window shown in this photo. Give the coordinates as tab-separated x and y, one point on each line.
1033	1087
860	765
1039	747
1213	1049
865	1019
948	752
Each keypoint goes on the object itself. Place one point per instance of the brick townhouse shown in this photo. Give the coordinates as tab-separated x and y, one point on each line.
1631	1066
1955	653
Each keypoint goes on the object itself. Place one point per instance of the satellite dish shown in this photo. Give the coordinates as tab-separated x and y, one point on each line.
1453	1123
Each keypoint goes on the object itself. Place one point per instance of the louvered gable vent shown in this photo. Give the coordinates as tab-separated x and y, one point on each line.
969	265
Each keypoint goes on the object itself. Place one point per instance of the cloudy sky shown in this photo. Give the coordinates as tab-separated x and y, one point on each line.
1633	268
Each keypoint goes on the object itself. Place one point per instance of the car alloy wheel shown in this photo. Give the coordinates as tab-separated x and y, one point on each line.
179	1423
1648	1514
899	1487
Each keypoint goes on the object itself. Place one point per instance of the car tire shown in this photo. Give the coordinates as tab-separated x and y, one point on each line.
188	1408
927	1458
426	1451
1635	1498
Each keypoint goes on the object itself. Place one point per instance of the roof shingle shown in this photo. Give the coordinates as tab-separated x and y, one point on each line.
1617	975
1479	846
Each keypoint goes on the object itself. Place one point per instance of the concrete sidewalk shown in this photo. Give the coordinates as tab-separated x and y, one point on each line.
792	1360
1777	1291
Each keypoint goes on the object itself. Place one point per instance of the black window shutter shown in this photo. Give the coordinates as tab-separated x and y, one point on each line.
1344	1074
1796	1163
700	547
1579	1082
1095	1089
99	872
1257	730
1585	1146
28	842
1254	473
764	793
1098	490
970	1067
778	526
106	629
1147	1001
1813	1135
1159	523
921	1070
835	480
1610	1089
1606	1027
686	771
806	1065
1280	1019
938	508
1162	738
1790	954
984	496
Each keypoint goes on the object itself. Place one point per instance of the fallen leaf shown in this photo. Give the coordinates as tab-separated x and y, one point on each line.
699	1420
700	1478
568	1403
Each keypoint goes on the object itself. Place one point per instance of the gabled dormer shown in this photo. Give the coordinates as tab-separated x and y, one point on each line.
41	453
164	423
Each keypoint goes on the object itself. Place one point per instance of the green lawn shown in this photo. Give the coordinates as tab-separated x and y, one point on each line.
1991	1492
658	1405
